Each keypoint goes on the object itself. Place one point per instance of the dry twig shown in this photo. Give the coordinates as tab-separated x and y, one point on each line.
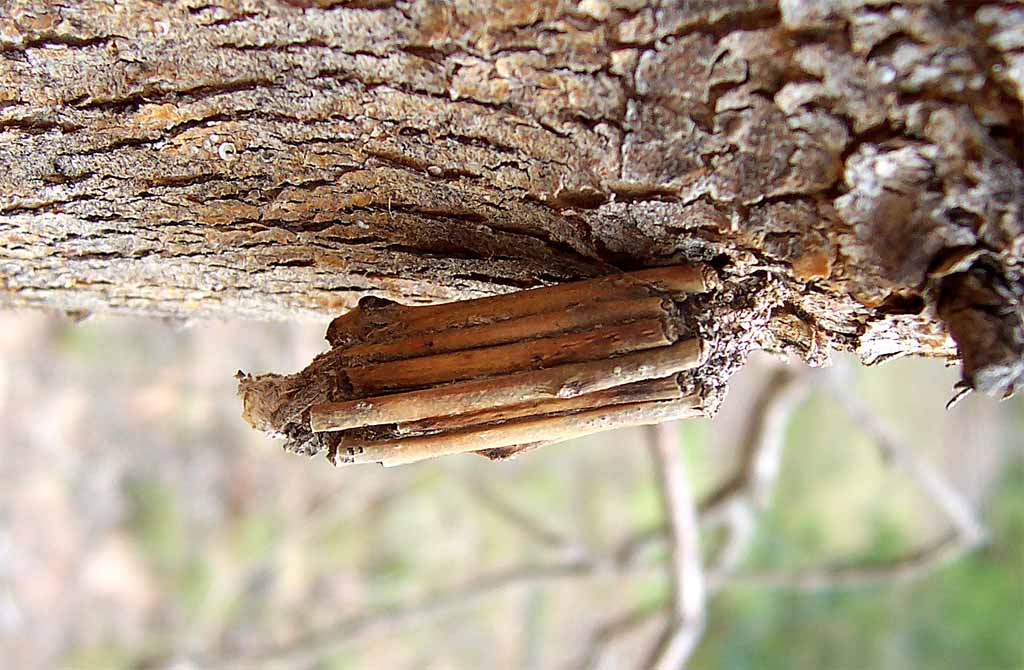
559	382
555	428
913	565
966	532
929	480
319	644
686	622
528	524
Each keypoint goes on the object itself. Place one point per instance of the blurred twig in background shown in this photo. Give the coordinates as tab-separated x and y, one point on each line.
532	527
736	502
734	506
322	643
213	552
931	483
686	617
966	533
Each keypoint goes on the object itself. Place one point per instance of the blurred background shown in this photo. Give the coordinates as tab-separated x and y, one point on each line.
144	525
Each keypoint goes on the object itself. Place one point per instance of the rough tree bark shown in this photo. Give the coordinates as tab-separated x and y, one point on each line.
852	170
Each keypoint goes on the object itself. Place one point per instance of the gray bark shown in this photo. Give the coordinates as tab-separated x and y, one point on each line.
851	169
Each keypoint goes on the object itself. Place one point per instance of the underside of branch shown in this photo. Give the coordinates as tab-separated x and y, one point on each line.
852	171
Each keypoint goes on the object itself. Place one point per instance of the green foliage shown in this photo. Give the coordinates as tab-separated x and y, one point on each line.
836	502
344	659
158	524
253	536
102	656
968	615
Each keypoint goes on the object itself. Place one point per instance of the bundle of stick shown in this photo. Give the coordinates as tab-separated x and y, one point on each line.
494	375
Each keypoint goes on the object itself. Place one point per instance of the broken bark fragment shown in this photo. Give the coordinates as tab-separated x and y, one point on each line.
984	311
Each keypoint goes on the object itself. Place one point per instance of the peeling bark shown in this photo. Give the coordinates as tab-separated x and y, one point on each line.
852	170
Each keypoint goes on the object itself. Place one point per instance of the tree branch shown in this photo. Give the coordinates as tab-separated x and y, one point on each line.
318	644
531	526
914	565
761	443
734	501
686	623
929	480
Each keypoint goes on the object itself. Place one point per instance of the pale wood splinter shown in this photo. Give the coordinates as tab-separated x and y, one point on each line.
666	388
545	428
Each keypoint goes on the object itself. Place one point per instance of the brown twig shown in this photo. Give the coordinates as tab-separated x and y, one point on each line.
510	330
555	428
910	567
563	381
575	347
380	321
667	388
